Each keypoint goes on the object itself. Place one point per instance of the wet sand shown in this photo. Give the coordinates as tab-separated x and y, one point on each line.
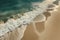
52	32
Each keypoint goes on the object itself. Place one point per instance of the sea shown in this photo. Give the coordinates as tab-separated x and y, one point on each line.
12	7
6	5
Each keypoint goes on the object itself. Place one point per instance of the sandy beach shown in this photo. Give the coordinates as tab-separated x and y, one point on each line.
30	33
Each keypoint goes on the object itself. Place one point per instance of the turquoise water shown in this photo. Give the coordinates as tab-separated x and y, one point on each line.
16	6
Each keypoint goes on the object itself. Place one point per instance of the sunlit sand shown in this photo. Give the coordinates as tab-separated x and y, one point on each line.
49	32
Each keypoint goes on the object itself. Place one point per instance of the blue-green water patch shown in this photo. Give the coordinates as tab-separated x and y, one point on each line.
15	6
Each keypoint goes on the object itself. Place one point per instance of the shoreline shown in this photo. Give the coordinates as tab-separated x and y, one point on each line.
13	24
